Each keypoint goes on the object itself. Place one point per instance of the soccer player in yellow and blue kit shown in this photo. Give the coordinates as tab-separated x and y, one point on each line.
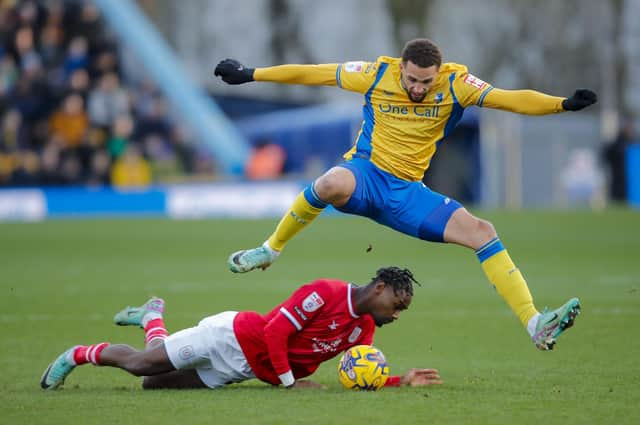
410	105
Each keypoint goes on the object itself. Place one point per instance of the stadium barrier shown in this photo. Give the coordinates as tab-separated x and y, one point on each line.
633	175
240	200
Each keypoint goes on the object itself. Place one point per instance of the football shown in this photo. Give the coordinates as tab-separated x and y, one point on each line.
363	367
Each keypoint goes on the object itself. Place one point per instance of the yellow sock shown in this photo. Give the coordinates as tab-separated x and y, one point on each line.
507	279
304	210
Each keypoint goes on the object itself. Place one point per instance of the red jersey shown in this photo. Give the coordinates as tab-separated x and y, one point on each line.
316	323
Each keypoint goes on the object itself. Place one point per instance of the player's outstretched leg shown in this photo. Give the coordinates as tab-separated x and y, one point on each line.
250	259
55	374
552	323
306	207
151	362
139	316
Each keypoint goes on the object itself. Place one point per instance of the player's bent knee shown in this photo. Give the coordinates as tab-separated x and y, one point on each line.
486	229
334	184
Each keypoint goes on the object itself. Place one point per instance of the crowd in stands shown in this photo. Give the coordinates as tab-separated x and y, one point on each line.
69	115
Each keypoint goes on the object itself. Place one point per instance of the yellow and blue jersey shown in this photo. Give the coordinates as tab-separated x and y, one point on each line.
400	136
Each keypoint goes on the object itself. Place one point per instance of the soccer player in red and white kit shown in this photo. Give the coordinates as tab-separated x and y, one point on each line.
316	323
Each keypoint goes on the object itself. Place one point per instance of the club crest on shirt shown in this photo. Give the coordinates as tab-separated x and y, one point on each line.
439	97
312	302
353	66
474	81
355	334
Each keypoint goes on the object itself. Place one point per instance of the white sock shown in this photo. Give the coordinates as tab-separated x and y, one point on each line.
273	252
531	325
149	317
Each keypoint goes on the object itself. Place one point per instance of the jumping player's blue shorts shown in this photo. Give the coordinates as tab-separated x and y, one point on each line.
408	207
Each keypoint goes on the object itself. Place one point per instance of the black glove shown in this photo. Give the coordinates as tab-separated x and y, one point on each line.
233	72
580	99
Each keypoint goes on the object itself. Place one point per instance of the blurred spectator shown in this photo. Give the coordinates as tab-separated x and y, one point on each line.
14	134
51	49
27	168
70	168
613	155
581	178
67	116
180	139
163	160
50	164
70	122
104	63
108	101
7	164
152	119
77	56
80	83
8	75
266	161
131	169
99	172
31	97
121	134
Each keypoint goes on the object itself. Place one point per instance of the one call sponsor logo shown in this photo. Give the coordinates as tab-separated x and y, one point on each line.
416	111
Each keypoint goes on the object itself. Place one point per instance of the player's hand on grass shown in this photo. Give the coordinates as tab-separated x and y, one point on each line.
233	72
421	377
580	99
305	383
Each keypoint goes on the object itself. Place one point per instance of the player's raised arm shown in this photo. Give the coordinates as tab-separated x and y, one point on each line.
233	72
471	90
531	102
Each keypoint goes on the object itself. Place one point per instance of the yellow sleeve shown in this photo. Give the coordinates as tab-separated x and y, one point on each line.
529	102
469	89
354	76
309	75
357	76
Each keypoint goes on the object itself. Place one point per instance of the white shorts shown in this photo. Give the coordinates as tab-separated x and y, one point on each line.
212	349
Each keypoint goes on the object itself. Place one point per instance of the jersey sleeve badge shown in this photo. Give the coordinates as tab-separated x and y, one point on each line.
312	302
474	81
355	66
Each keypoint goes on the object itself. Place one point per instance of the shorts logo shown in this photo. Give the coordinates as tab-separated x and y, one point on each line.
474	81
299	312
353	66
355	334
186	352
312	302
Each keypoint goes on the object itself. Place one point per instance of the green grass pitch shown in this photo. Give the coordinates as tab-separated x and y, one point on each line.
62	281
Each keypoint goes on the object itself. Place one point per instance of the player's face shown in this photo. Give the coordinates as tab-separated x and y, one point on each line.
416	81
389	305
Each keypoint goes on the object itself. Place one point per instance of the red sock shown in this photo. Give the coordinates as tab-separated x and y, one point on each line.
89	353
155	329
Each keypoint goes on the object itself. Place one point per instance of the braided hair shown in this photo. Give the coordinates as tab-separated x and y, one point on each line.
401	280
